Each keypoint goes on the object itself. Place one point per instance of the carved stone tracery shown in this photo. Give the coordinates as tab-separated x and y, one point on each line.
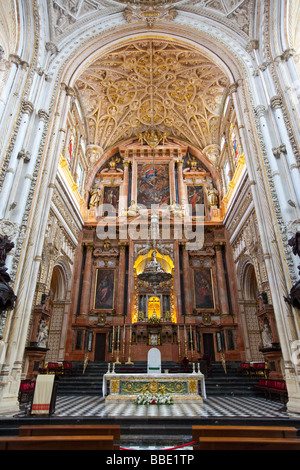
116	93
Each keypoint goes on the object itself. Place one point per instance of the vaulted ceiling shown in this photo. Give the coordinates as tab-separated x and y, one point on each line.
148	81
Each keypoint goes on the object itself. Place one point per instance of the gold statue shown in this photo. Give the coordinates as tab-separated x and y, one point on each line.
132	211
152	138
95	193
212	195
176	210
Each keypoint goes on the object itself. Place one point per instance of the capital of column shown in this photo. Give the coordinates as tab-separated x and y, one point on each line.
252	45
288	53
126	163
27	107
51	47
233	88
25	155
89	246
15	59
69	90
276	102
122	246
218	246
43	115
277	151
260	110
179	162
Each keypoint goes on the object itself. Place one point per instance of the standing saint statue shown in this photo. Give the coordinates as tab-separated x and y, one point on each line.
96	194
7	296
212	195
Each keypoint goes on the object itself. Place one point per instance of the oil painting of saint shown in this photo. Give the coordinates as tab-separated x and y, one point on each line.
111	196
203	289
153	184
104	294
195	196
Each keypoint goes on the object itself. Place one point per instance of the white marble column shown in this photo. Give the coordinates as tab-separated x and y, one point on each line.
30	259
15	159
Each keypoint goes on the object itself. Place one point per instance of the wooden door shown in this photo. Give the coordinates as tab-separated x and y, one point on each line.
100	347
208	345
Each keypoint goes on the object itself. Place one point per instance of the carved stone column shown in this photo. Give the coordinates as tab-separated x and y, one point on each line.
224	307
87	277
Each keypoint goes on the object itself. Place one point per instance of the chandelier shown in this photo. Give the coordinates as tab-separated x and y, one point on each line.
153	272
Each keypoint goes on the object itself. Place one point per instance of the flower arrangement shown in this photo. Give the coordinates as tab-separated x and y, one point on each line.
159	398
154	319
141	316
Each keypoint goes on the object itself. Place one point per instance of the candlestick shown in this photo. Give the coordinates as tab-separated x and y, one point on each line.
113	343
178	341
124	342
191	341
118	347
129	352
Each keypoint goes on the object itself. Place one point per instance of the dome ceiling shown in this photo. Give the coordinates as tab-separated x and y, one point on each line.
116	94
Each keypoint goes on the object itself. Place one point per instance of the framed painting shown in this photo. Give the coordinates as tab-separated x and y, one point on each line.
104	289
195	196
203	289
111	195
153	185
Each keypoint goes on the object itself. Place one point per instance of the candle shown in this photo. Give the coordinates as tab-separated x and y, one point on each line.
113	342
124	340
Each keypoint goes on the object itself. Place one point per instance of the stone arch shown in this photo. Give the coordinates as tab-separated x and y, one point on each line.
59	293
248	293
250	288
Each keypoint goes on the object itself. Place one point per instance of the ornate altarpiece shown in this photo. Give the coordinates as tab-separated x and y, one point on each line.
113	301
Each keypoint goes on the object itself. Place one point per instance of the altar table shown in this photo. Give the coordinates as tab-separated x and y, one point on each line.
182	387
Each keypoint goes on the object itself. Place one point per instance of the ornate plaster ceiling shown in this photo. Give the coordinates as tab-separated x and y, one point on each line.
115	93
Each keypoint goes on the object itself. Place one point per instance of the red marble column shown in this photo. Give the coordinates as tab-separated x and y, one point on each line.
187	284
125	201
121	279
224	307
181	191
87	277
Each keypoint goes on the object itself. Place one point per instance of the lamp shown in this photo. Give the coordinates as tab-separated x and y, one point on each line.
153	273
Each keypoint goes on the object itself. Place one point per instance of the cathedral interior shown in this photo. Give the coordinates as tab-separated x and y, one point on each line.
149	179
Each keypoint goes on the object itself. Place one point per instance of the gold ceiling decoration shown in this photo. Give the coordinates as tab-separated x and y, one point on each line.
187	87
149	3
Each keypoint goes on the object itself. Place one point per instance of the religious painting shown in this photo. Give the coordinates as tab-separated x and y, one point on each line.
203	289
195	196
104	291
111	196
154	308
153	185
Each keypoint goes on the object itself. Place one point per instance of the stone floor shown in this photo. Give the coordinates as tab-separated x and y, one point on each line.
160	435
211	407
